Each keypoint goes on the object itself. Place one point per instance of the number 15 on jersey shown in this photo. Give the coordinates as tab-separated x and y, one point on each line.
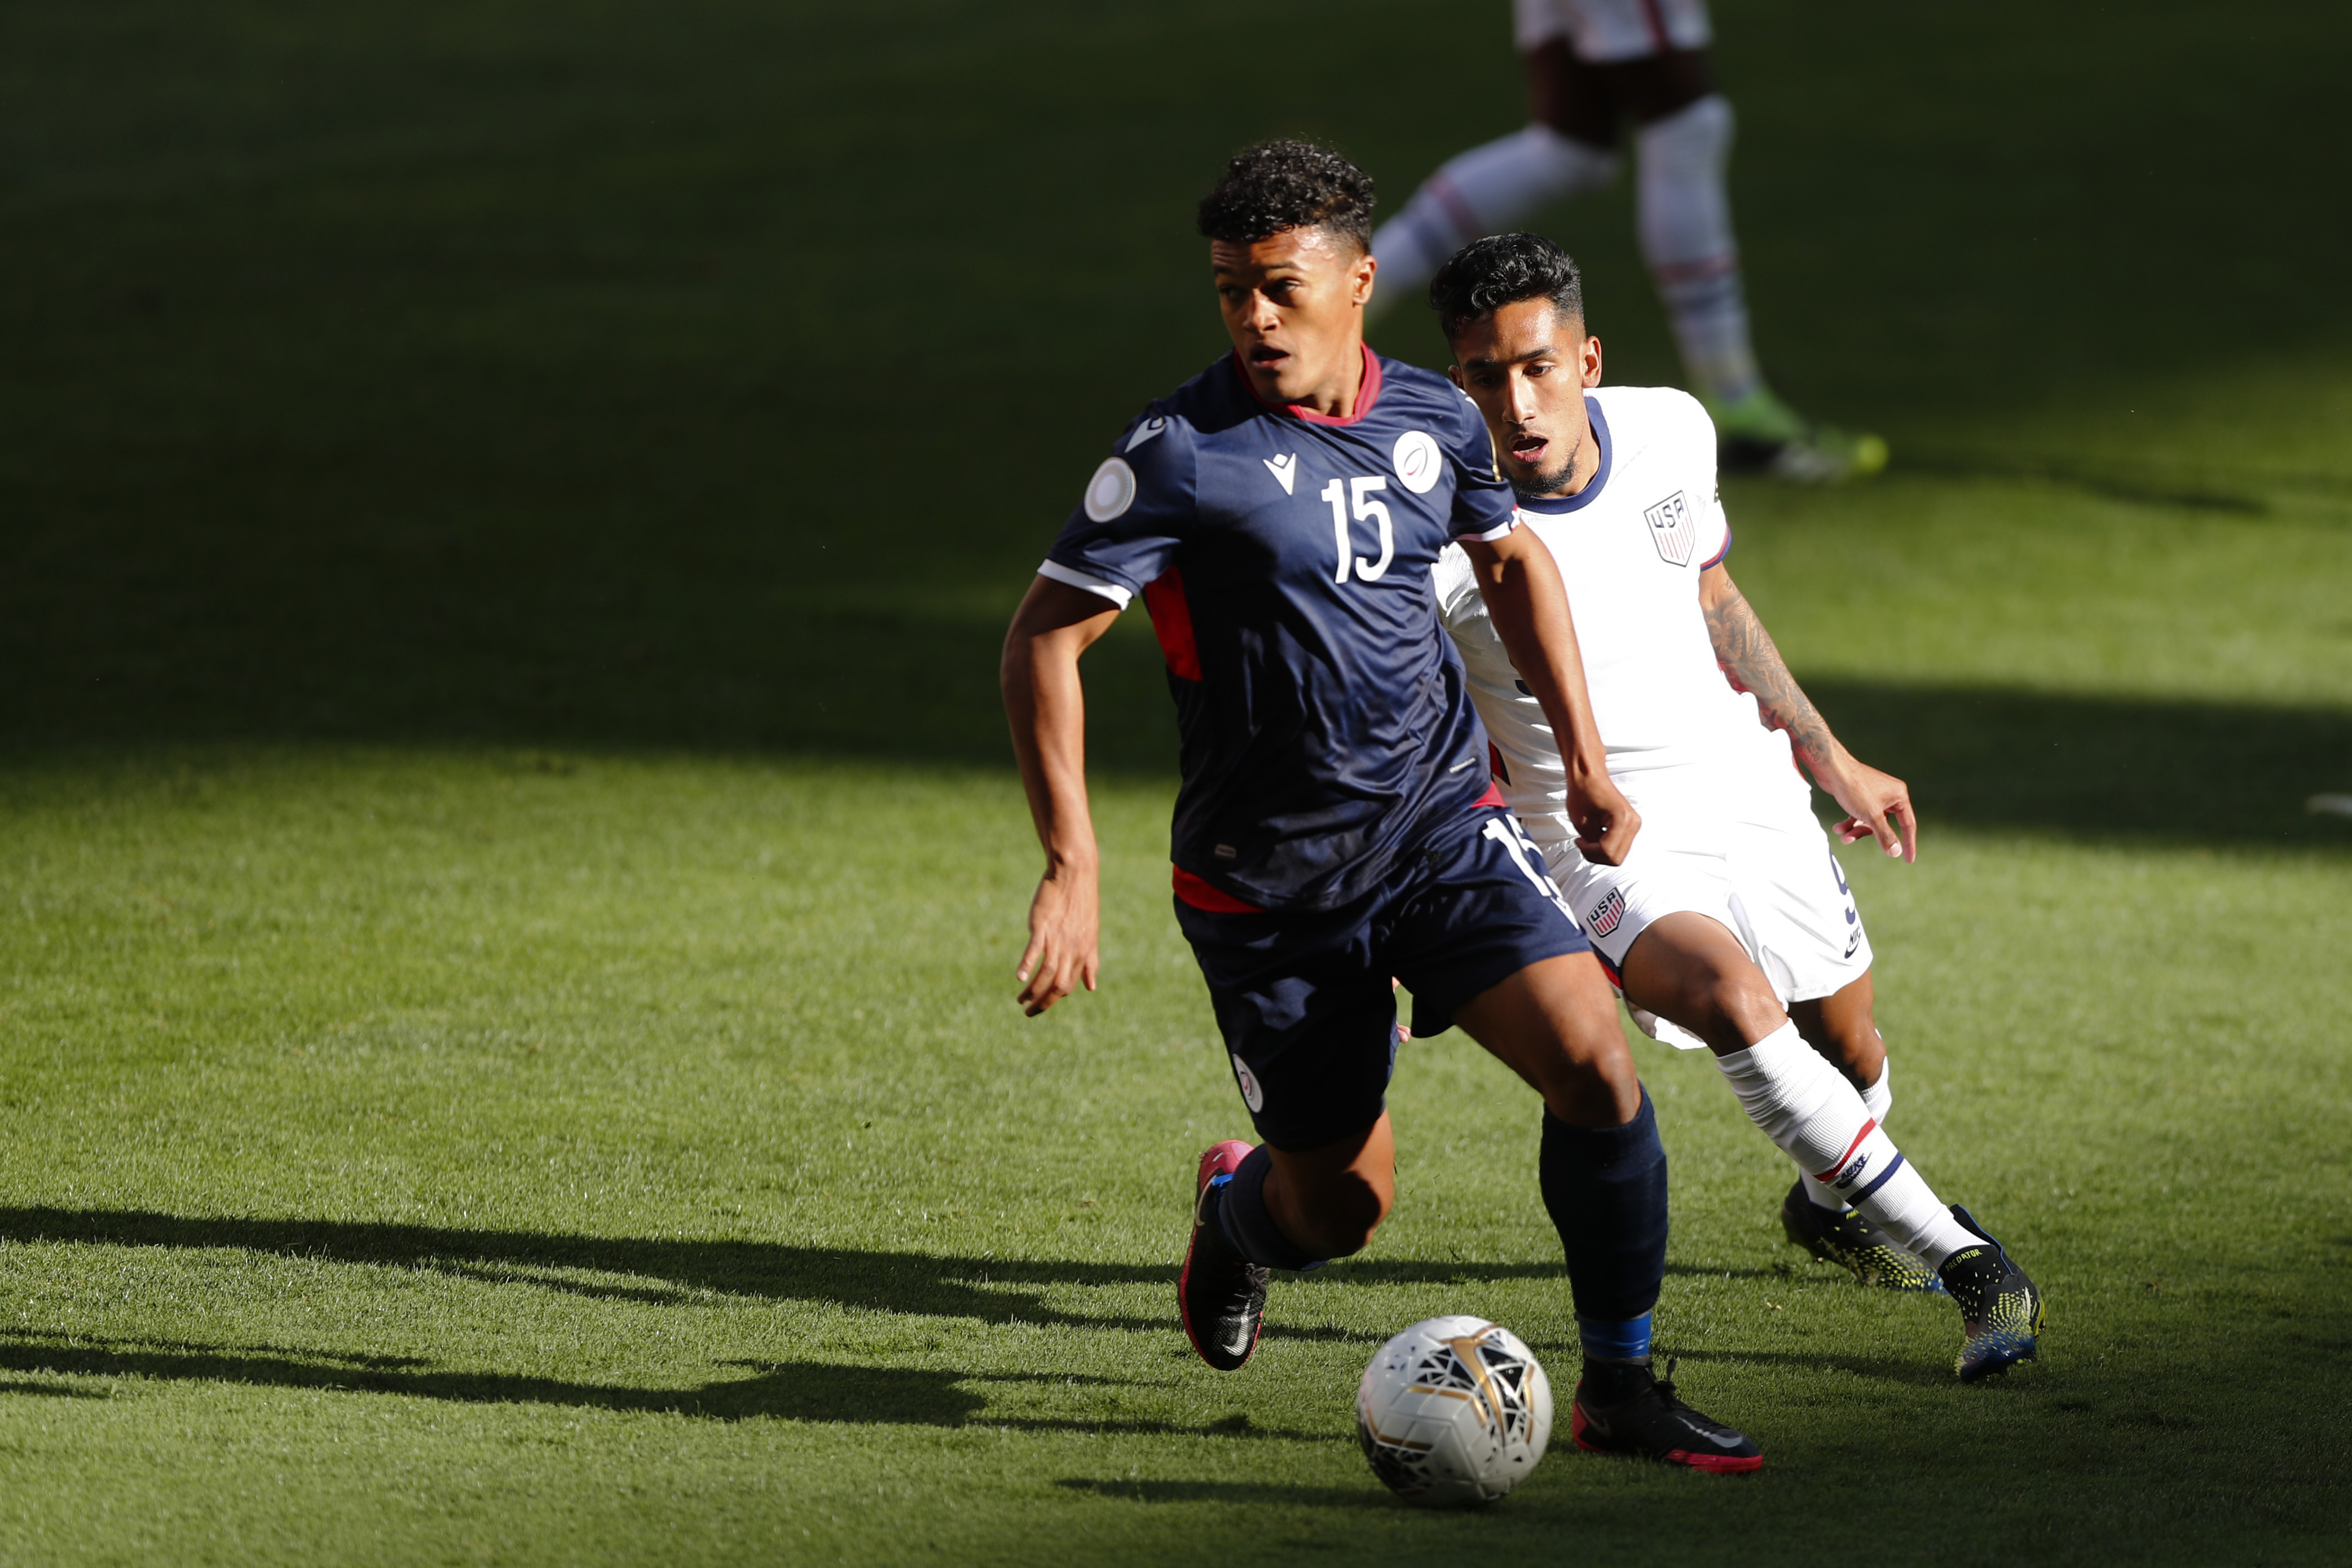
1358	495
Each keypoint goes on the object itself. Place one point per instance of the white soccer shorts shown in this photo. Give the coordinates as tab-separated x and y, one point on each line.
1764	869
1602	31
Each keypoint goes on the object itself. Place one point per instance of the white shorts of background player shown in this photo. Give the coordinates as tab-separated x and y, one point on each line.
1753	859
1601	31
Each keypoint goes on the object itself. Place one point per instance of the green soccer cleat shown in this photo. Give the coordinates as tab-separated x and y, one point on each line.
1761	435
2000	1309
1852	1242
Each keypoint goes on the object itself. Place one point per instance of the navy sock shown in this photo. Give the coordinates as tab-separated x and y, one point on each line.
1248	1227
1606	1190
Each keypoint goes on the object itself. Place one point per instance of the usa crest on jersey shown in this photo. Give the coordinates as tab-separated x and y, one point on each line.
1672	529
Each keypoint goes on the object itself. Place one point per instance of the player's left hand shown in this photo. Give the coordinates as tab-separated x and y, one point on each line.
1604	820
1064	949
1877	805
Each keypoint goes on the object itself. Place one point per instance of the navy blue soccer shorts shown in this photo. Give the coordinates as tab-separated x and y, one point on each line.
1304	1000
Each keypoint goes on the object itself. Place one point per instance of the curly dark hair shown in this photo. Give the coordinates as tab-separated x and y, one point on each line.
1276	185
1502	270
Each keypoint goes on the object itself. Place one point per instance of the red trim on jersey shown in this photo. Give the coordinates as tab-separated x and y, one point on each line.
1198	893
1657	26
1493	795
1495	767
1366	395
1867	1129
1172	623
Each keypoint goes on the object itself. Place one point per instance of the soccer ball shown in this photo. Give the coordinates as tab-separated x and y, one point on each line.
1454	1411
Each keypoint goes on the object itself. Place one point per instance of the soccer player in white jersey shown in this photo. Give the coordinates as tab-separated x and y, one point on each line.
1730	923
1591	66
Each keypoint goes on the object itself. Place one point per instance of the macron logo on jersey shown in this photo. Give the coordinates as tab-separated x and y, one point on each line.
1285	469
1155	425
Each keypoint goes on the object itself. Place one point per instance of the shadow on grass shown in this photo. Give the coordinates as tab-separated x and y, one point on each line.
1253	1494
2102	768
9	1386
906	688
661	1271
644	1269
674	1272
788	1390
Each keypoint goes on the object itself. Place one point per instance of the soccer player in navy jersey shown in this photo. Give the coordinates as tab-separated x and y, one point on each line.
1279	514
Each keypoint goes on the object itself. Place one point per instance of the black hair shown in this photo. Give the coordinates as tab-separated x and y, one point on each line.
1277	186
1502	270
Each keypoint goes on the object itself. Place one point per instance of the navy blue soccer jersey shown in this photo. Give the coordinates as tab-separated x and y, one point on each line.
1285	558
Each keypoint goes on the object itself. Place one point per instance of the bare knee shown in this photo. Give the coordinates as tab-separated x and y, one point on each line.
1689	969
1843	1028
1744	1001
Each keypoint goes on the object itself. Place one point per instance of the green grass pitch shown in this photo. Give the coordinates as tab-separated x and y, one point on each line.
510	871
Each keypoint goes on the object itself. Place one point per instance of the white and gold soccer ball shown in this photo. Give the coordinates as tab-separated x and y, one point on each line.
1454	1411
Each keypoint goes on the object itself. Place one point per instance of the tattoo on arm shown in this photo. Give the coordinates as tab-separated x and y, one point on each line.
1743	648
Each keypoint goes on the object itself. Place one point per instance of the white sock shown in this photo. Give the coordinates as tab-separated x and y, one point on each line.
1485	191
1807	1108
1878	1098
1685	225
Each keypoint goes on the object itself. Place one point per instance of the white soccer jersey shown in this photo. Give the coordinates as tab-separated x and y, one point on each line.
1630	546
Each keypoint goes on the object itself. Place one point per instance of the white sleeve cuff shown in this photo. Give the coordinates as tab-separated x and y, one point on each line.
1493	534
1061	573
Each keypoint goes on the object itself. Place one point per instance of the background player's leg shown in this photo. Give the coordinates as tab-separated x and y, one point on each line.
1567	150
1683	148
1684	216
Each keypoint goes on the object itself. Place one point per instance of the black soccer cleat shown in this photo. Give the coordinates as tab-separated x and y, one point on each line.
1850	1241
1221	1295
1624	1408
2000	1309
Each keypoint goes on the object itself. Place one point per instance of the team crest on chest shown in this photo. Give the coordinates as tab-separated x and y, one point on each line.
1418	461
1671	529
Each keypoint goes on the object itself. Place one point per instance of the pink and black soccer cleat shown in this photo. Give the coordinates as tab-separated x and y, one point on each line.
1629	1409
1221	1295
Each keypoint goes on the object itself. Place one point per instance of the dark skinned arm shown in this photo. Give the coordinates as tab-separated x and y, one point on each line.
1047	703
1876	805
1529	605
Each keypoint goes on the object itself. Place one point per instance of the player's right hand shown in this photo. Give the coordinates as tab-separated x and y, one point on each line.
1604	820
1064	939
